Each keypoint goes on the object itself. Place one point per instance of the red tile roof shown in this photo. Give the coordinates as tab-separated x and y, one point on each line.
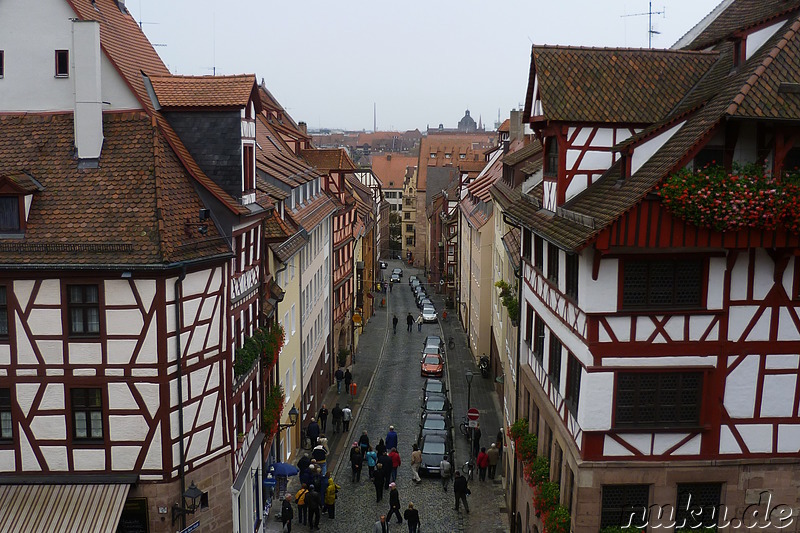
472	145
612	85
277	160
137	208
205	91
391	169
326	159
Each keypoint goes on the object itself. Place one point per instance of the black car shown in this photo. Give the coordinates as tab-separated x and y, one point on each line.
433	385
419	289
434	447
436	402
398	271
395	278
432	422
433	340
424	301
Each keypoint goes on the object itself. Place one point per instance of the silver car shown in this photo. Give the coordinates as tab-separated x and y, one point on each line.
429	314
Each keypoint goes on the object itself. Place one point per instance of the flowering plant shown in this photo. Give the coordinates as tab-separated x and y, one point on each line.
743	198
273	409
265	343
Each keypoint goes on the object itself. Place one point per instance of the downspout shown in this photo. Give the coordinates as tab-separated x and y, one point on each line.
278	363
178	322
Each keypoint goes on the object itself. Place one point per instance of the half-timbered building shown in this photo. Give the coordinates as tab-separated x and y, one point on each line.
131	272
662	345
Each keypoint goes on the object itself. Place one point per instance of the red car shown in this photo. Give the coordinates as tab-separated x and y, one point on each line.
432	364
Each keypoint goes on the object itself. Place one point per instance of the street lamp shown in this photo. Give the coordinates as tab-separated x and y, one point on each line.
189	503
293	414
468	375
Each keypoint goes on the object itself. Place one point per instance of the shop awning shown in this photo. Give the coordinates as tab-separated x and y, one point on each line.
57	508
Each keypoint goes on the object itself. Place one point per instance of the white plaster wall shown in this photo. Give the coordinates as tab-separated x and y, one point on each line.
740	388
757	437
127	428
727	442
699	324
603	291
745	150
49	427
549	195
777	398
595	401
198	445
123	458
788	438
120	351
120	397
787	361
55	457
7	461
29	38
25	394
118	292
22	291
740	316
739	282
45	322
53	397
763	275
150	395
690	448
152	460
716	282
659	362
81	353
124	322
645	151
612	448
49	292
52	352
592	159
29	461
664	441
88	459
757	39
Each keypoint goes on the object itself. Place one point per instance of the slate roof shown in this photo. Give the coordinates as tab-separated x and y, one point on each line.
285	250
313	212
511	242
612	85
204	91
143	209
740	15
277	160
606	200
327	159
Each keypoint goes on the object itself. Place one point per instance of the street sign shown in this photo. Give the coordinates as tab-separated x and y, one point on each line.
191	528
473	415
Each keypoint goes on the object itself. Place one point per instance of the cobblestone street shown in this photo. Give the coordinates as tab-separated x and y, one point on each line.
387	373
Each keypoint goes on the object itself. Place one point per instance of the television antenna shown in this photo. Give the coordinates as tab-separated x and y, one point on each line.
649	13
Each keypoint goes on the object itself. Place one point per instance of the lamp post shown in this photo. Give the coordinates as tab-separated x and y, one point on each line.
189	504
468	376
293	414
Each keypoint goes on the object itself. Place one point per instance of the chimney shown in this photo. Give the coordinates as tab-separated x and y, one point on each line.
88	118
303	127
515	129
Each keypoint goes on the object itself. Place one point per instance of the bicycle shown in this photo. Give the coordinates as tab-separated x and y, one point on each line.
468	470
451	343
463	427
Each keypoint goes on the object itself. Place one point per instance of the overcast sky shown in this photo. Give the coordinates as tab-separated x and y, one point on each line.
420	62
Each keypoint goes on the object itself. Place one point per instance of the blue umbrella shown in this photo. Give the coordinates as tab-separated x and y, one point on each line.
282	470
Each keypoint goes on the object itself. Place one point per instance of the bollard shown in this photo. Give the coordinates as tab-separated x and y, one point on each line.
353	389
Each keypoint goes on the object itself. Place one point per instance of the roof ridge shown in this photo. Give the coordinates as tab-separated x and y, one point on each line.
203	76
623	49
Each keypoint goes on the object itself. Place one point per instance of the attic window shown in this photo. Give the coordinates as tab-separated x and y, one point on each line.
739	52
462	156
9	214
433	155
448	155
551	157
2	63
62	63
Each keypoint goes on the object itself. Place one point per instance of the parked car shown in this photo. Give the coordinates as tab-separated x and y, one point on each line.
412	279
424	301
398	271
434	340
434	385
434	447
436	402
417	289
384	264
429	314
432	365
435	424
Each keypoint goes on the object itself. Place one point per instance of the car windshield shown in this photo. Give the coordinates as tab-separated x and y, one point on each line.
434	423
435	404
436	448
434	386
428	310
431	349
432	360
433	340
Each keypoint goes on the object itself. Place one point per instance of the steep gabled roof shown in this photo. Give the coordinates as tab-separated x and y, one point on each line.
736	17
612	85
391	168
205	91
277	160
471	145
327	159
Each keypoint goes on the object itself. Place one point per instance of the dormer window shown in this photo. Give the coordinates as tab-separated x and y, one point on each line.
248	156
739	52
551	158
10	221
448	155
462	156
62	63
2	63
433	155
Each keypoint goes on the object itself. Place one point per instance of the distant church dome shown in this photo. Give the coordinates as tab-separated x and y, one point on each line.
467	124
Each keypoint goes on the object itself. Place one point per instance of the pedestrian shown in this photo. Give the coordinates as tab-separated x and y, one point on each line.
339	374
313	502
304	462
394	324
377	480
394	504
412	518
391	438
336	413
483	463
348	379
494	458
307	476
420	320
320	455
347	415
381	526
330	498
395	457
445	470
476	439
386	461
322	416
312	432
409	321
372	459
461	490
355	462
300	500
363	443
380	448
416	461
287	513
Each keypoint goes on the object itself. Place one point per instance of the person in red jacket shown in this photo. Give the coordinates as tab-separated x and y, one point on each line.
483	463
395	457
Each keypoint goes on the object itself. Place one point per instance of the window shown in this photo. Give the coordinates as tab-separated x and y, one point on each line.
551	157
248	155
87	414
698	504
624	504
552	262
407	215
84	310
62	63
2	63
526	243
448	155
555	360
573	384
6	427
709	156
462	156
558	460
3	313
9	213
662	283
410	241
572	276
569	488
538	253
433	155
658	399
409	227
256	501
538	338
529	325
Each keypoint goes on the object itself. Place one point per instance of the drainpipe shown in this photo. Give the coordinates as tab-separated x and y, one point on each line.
178	322
278	365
